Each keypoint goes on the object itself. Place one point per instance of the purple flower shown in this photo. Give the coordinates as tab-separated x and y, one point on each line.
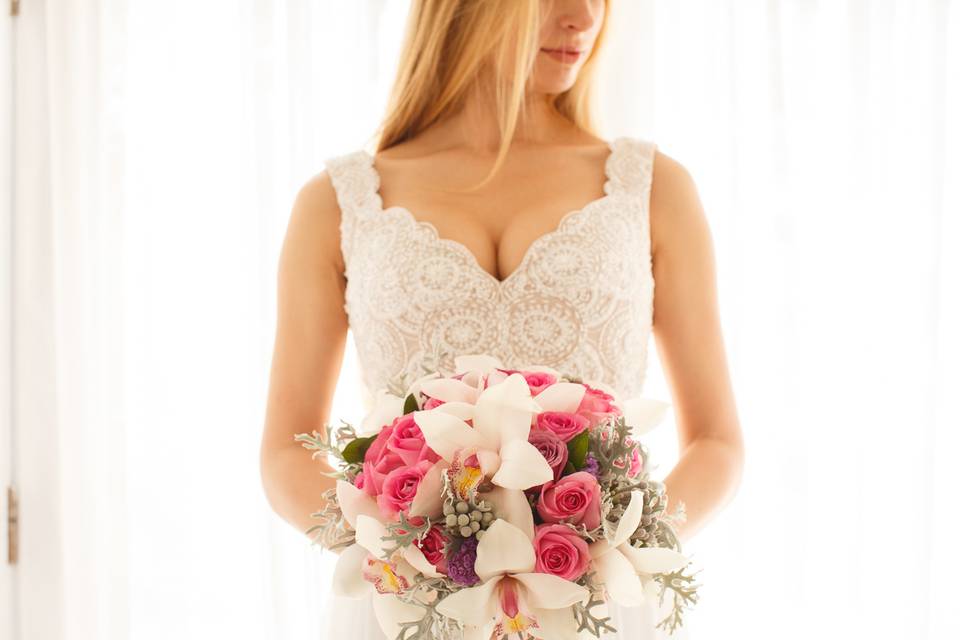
553	449
460	563
591	466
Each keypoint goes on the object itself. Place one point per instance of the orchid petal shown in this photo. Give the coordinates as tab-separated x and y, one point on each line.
620	579
630	519
554	624
489	461
428	500
369	534
561	396
651	588
480	362
512	506
413	555
391	612
348	573
473	605
521	466
463	410
651	560
386	407
504	411
546	591
449	390
354	501
417	385
445	433
504	548
600	547
643	414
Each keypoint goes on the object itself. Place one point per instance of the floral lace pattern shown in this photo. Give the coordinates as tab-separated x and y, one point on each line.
581	299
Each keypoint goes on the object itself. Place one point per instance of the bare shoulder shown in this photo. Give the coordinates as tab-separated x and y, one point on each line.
678	222
312	238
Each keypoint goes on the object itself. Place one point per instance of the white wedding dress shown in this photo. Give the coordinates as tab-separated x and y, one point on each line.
581	301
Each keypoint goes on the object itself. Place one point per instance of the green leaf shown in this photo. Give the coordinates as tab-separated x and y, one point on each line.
410	404
567	470
577	449
357	448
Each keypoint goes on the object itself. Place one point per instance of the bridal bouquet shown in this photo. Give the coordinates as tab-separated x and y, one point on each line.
493	501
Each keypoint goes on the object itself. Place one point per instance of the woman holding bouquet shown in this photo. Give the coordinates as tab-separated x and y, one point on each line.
491	219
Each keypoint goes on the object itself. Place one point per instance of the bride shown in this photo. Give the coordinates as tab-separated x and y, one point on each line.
492	219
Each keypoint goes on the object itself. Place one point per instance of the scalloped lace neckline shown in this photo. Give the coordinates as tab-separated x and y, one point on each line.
407	215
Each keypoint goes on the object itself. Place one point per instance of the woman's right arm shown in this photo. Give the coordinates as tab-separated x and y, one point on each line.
308	352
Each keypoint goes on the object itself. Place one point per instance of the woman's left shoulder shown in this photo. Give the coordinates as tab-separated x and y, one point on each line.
676	211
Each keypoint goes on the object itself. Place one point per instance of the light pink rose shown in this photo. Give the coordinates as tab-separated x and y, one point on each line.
562	424
574	498
400	487
560	551
597	405
432	546
379	461
407	441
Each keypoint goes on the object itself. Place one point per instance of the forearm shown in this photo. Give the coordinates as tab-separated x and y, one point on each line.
294	483
705	479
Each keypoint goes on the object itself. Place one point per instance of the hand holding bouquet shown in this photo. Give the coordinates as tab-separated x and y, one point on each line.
494	501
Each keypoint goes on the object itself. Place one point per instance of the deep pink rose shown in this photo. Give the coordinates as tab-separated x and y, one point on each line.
358	481
431	403
574	498
378	461
400	487
432	547
560	551
407	441
563	424
552	448
597	405
536	380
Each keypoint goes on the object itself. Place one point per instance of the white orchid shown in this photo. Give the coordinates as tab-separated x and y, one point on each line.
627	571
501	415
512	598
365	568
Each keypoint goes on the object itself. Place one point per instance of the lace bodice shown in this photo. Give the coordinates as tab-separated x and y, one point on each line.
581	299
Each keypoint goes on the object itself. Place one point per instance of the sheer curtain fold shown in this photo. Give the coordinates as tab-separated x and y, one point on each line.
158	150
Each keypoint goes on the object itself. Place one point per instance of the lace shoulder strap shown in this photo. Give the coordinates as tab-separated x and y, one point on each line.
356	187
631	166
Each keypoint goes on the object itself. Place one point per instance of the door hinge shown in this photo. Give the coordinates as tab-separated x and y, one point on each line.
13	529
14	7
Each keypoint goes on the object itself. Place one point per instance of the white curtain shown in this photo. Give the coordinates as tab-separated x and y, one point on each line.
159	146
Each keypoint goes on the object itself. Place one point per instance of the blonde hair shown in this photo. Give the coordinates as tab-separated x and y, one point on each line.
446	47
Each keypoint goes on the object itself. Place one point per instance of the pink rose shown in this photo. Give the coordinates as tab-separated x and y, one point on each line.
431	403
399	488
378	461
432	546
552	448
574	498
597	405
563	424
536	380
560	551
407	441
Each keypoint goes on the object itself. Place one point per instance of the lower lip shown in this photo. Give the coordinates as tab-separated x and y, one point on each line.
562	56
